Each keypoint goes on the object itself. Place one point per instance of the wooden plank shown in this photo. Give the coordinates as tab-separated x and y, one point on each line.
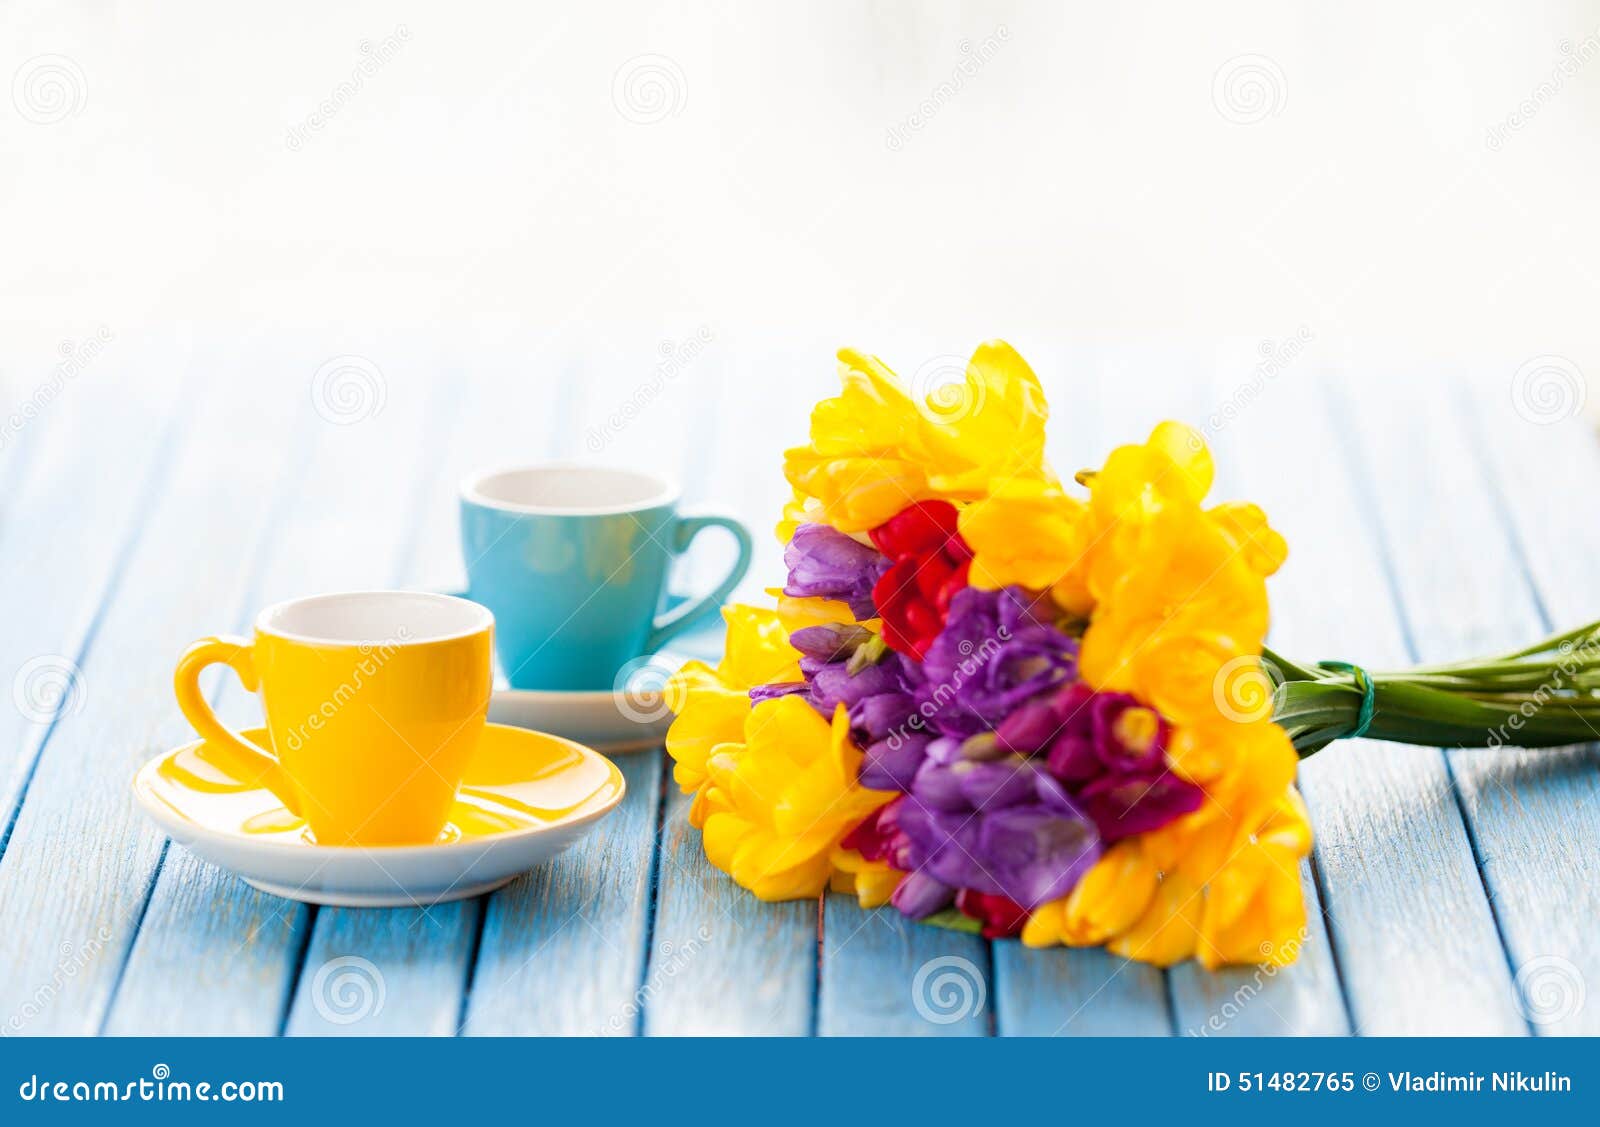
563	950
711	939
77	872
53	585
1415	940
1306	997
562	947
886	976
722	963
344	524
1538	811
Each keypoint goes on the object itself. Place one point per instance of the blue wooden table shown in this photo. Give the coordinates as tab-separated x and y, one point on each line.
166	489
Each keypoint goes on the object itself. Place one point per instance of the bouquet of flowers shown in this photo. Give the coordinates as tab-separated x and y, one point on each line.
1001	704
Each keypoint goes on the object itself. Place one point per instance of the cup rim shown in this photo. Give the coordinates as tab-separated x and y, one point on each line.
482	615
471	489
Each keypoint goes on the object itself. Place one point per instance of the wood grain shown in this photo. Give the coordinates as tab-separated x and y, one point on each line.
1538	812
1415	940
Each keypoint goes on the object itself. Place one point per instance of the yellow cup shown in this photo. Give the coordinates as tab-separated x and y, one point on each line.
374	702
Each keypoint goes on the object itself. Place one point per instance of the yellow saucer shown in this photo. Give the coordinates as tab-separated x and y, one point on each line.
526	796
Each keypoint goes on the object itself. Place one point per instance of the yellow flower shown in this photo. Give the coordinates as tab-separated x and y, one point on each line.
871	882
1106	902
1169	614
1246	525
778	809
711	704
1169	929
987	429
1028	532
876	448
1254	905
864	462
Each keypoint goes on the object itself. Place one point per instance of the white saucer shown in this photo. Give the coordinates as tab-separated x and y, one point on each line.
525	798
610	721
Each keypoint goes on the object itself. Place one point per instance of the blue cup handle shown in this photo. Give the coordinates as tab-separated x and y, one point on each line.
682	617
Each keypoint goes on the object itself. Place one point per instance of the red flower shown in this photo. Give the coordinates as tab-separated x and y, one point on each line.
930	562
1001	918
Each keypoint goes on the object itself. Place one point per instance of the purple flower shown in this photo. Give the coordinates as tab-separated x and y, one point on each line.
1109	752
825	563
997	651
1002	826
850	665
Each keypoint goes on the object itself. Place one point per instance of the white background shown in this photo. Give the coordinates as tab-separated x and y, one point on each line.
1094	176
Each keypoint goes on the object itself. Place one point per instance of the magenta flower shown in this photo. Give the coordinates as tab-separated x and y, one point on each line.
1109	752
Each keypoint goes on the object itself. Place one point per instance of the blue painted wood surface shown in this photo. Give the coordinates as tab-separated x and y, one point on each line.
1450	892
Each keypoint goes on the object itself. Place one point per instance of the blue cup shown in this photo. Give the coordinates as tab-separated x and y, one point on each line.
573	562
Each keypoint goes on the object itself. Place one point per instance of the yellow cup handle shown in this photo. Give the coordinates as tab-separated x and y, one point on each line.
242	757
